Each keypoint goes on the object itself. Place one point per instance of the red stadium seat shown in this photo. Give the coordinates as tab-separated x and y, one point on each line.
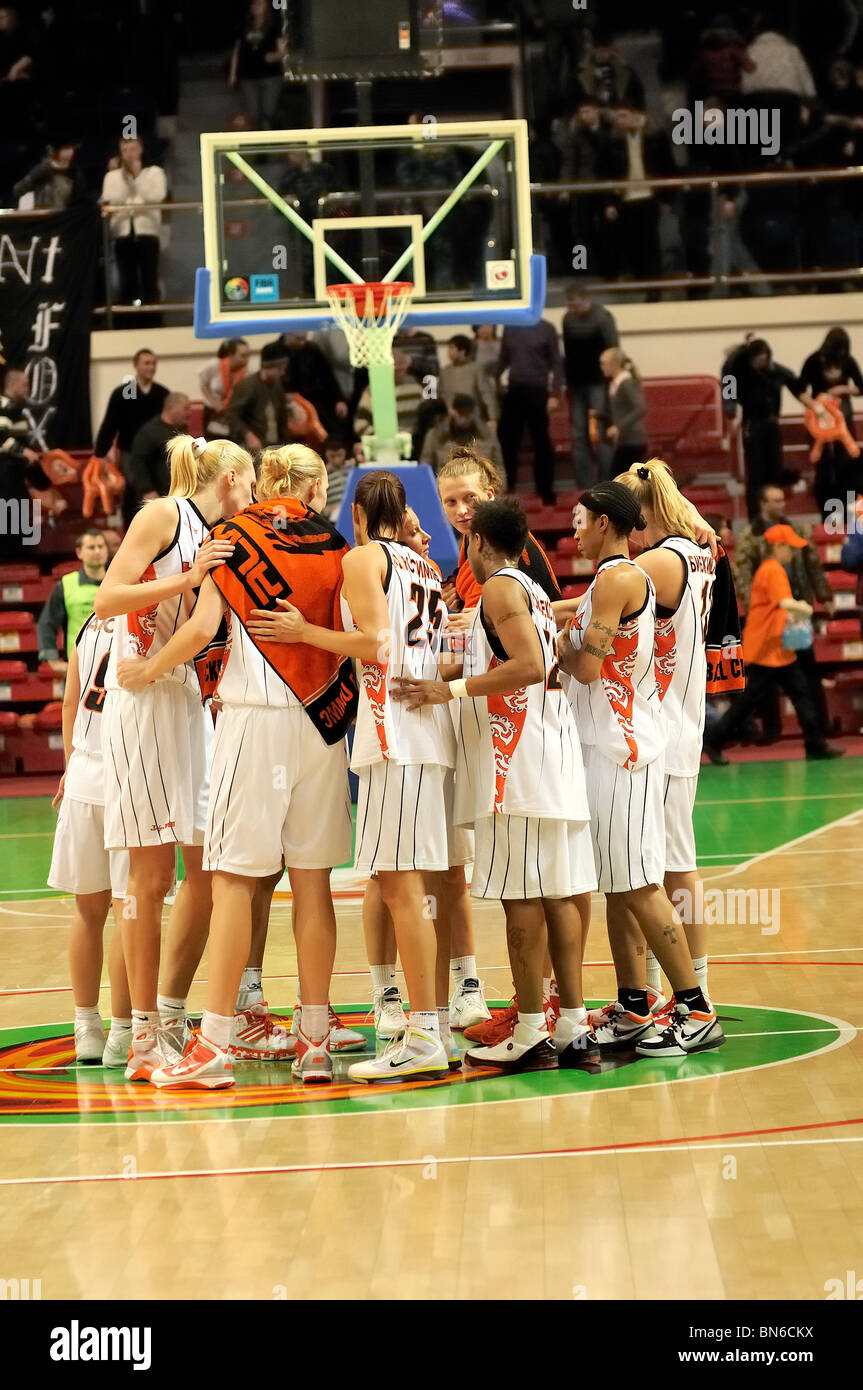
19	574
12	670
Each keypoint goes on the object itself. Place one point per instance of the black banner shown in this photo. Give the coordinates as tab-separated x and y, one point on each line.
47	268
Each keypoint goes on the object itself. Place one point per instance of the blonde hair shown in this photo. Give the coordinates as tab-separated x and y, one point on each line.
289	470
195	462
464	462
622	361
654	486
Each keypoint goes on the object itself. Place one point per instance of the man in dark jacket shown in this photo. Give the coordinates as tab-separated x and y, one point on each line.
130	405
309	374
532	357
588	329
258	411
147	468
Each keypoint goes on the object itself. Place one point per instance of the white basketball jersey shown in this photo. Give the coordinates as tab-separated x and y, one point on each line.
247	679
621	710
681	660
518	754
144	633
387	731
84	774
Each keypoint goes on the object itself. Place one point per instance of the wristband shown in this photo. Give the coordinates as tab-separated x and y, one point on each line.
458	689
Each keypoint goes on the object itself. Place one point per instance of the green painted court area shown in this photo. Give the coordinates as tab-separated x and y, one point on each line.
741	810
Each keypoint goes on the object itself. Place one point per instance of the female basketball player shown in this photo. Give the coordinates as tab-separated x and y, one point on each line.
155	738
80	863
279	787
404	760
609	650
682	572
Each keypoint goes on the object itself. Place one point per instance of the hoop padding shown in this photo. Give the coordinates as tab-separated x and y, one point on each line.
370	315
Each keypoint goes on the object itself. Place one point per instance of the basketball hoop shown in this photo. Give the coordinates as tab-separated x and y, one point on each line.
370	314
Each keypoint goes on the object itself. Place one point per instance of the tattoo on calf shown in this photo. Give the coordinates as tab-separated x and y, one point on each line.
671	933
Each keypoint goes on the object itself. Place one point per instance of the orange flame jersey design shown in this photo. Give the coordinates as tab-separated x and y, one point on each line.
616	677
506	718
664	654
141	626
375	685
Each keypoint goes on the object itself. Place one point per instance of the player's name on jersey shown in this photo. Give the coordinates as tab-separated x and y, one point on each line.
702	564
407	560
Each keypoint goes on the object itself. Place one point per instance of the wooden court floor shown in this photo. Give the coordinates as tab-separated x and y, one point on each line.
565	1185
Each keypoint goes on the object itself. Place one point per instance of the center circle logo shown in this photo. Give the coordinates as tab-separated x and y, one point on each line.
41	1083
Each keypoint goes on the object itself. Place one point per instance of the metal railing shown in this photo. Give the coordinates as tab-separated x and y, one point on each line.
716	281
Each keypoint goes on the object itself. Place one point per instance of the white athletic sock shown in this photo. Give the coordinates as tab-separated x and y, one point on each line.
463	968
654	978
170	1008
121	1025
316	1022
426	1019
90	1015
444	1024
546	989
144	1022
383	977
534	1021
216	1029
699	965
251	990
575	1016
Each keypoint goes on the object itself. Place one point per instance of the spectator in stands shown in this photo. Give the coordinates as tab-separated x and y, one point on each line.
720	62
130	405
147	470
131	179
721	246
55	182
770	664
532	358
258	412
408	400
308	373
780	77
255	63
421	348
16	58
461	425
588	329
625	427
757	382
585	141
218	378
636	151
486	349
832	371
339	464
334	345
808	582
463	376
70	602
605	78
20	464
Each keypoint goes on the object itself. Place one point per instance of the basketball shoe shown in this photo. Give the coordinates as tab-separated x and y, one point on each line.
688	1030
90	1041
312	1064
467	1006
656	1000
415	1055
657	1003
499	1026
619	1030
389	1013
144	1054
202	1064
574	1043
342	1039
551	1009
525	1049
173	1034
117	1047
256	1038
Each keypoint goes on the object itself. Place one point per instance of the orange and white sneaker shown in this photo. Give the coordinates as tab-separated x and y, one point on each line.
688	1030
144	1055
312	1061
202	1064
551	1009
498	1027
621	1030
342	1039
656	1000
258	1038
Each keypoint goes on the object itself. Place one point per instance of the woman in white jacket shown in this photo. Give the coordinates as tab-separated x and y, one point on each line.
135	233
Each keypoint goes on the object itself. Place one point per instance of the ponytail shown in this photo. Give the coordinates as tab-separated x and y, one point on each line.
195	462
623	362
657	492
465	462
382	497
290	471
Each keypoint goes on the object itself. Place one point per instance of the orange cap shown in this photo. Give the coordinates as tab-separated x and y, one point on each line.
784	534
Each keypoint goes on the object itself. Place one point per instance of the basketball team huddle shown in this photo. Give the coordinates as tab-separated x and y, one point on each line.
552	744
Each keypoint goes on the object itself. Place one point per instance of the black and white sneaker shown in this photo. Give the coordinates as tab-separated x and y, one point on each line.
687	1031
574	1043
620	1030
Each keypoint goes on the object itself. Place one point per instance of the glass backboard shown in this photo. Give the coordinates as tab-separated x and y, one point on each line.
445	205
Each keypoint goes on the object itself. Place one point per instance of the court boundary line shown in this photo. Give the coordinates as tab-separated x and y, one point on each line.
787	845
847	1033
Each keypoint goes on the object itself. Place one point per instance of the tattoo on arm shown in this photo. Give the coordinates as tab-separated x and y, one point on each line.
515	613
603	628
601	652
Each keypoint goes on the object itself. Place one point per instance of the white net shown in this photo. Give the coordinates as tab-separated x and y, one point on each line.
370	316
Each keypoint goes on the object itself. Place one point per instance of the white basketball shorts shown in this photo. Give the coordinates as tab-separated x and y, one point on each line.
626	821
80	862
679	800
404	818
278	794
531	857
154	747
